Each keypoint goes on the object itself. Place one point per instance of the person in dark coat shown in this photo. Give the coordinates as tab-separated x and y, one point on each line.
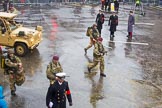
110	3
100	20
113	22
102	4
57	93
10	4
5	5
107	2
131	22
116	5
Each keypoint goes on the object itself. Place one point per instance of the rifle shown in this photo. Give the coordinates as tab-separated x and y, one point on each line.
107	47
104	52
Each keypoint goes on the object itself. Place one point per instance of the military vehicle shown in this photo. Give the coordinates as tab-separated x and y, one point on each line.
14	35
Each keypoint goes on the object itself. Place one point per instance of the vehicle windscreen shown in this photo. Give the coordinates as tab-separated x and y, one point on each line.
12	25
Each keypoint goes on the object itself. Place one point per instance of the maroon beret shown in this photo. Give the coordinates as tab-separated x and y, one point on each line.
55	57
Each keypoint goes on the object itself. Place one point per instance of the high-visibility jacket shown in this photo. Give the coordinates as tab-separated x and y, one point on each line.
137	1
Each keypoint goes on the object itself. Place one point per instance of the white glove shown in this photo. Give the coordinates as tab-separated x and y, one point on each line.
50	104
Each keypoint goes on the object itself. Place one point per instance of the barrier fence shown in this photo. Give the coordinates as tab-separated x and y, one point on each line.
48	1
146	2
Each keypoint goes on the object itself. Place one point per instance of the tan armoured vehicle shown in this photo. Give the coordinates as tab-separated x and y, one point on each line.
16	36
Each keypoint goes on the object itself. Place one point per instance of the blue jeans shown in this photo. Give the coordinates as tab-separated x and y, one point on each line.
3	103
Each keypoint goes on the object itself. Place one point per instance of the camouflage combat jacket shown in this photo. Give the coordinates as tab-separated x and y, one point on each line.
12	64
94	33
98	51
51	71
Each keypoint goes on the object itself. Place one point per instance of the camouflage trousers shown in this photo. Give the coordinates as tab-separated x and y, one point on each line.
96	62
91	43
16	79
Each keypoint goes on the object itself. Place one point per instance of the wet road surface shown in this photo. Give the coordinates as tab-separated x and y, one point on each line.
133	70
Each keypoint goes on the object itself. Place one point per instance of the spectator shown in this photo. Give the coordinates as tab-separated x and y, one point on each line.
113	22
3	103
131	22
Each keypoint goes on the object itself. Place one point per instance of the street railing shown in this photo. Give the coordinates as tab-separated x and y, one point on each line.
54	2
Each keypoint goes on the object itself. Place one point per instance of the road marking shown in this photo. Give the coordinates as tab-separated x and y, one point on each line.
150	24
144	24
136	43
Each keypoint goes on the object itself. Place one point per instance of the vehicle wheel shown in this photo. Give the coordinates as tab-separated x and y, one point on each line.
21	49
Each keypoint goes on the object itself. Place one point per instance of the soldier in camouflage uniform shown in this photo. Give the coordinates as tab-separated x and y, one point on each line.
98	56
94	34
15	71
53	67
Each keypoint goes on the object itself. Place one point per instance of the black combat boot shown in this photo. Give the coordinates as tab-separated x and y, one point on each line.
13	93
111	38
102	74
85	51
89	69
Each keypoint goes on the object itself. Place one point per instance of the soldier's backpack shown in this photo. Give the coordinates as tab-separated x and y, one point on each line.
3	65
88	31
3	62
